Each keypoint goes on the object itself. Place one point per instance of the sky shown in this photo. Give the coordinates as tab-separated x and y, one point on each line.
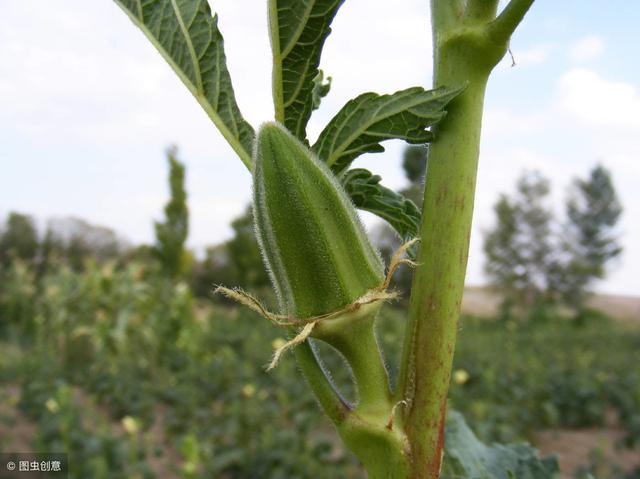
88	108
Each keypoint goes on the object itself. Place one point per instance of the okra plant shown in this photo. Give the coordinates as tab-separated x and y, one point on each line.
329	279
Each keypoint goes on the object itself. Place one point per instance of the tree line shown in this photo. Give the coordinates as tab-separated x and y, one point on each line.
76	244
537	259
533	258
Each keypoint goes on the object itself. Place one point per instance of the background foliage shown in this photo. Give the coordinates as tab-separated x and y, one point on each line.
136	378
137	373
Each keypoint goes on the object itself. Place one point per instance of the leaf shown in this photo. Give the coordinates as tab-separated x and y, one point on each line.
466	456
368	194
367	120
321	89
187	36
298	30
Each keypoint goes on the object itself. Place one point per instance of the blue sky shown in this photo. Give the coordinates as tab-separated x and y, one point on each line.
88	108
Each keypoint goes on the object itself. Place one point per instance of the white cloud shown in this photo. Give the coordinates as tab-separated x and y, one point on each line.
586	49
596	101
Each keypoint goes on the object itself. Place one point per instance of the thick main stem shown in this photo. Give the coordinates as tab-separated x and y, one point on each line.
467	45
439	282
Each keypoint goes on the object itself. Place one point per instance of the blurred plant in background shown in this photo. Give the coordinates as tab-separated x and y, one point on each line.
109	356
171	234
136	378
537	263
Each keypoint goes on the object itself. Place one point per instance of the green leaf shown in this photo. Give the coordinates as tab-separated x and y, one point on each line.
368	194
298	30
367	120
466	456
187	36
321	89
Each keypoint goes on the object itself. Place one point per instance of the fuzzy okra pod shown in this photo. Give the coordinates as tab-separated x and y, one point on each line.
327	275
326	271
315	247
328	278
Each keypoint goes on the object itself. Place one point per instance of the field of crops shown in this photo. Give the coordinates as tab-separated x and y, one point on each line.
137	379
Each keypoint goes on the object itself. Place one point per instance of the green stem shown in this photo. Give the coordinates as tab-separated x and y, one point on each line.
370	373
438	283
465	52
276	81
446	14
369	430
382	451
503	26
482	9
354	337
333	405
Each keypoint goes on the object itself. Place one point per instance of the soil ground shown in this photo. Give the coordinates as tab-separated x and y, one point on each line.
575	447
485	302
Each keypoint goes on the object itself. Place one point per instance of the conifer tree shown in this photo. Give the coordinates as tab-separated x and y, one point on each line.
172	233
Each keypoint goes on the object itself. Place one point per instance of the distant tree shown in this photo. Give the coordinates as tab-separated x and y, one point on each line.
590	242
51	252
236	261
143	254
215	269
172	233
19	239
74	240
414	163
518	249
